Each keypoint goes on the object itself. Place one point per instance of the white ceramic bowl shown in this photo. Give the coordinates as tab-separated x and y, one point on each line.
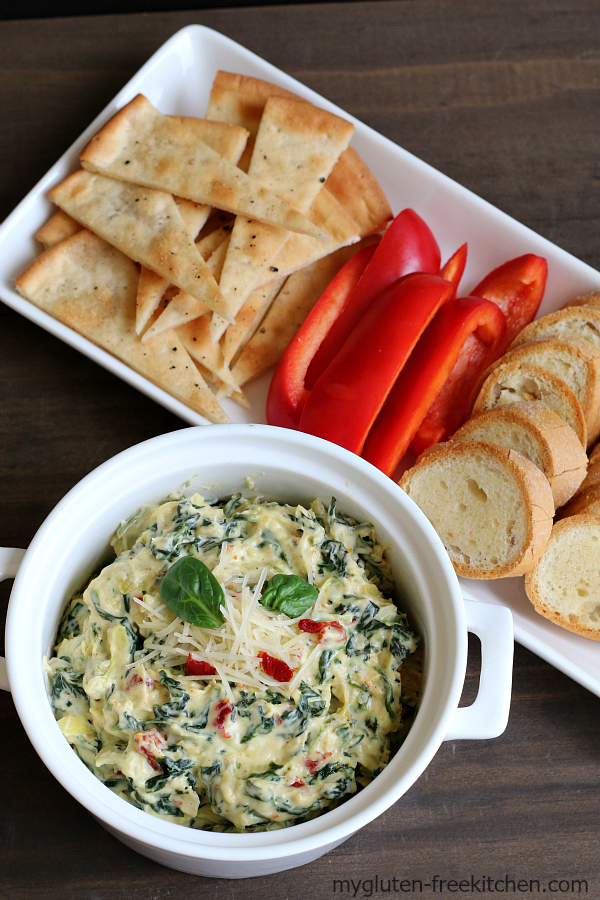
287	466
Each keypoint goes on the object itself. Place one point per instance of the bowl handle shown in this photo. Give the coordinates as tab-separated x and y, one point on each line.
488	715
10	560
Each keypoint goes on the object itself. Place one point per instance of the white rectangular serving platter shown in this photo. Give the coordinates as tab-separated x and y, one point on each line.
177	80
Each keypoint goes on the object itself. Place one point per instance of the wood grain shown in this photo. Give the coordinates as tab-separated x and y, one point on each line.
504	97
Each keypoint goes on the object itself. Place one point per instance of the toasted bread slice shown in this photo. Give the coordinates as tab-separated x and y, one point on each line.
564	586
592	298
538	433
572	322
576	361
491	507
518	380
584	501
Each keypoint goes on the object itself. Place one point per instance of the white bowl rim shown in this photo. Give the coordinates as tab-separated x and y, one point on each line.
327	829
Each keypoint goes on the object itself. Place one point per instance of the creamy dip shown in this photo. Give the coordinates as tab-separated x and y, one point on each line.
265	720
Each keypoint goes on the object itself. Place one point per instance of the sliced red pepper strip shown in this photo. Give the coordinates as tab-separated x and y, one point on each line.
428	367
345	401
453	270
274	667
198	667
517	287
287	393
407	246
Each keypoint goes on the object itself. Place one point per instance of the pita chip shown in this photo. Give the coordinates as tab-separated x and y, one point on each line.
248	319
91	287
354	186
184	308
296	147
142	146
56	229
287	313
229	141
240	100
300	250
151	286
143	223
195	337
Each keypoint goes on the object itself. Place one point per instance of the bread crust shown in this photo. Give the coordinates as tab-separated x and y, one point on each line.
534	579
562	459
533	487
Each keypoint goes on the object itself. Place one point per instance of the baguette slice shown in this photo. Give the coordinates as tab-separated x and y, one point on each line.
515	381
539	434
592	298
564	586
584	501
572	322
592	477
576	361
595	454
491	507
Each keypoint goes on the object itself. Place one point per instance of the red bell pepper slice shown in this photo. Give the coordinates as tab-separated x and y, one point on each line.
198	667
407	246
287	392
428	367
345	401
453	270
517	287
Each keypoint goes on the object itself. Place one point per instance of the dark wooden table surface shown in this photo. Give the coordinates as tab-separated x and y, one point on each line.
502	95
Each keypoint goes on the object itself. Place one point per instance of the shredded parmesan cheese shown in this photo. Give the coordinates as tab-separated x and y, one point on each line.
233	649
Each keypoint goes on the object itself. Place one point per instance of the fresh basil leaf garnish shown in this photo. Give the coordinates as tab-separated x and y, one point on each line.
289	594
191	591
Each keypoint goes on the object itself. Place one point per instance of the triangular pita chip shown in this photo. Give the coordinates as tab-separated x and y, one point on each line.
56	229
184	308
296	148
143	223
248	319
150	290
195	337
353	184
151	286
288	311
90	286
141	145
240	99
300	250
229	141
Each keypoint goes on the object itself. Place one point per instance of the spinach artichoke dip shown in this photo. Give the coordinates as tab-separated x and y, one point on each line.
240	666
